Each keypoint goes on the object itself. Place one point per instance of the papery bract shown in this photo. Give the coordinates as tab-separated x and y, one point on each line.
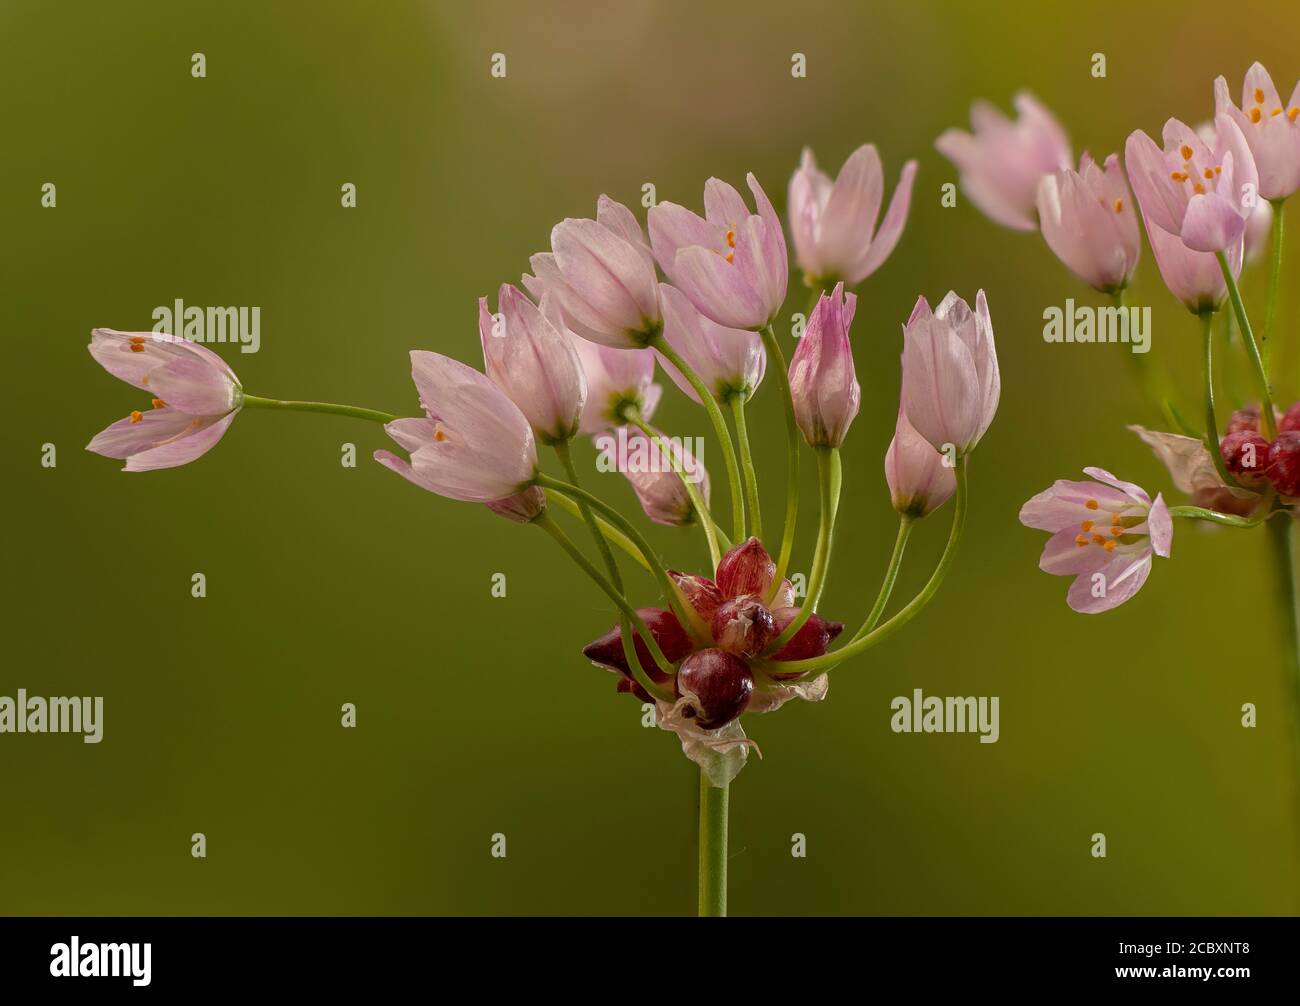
195	398
833	223
1088	219
1002	162
1193	472
823	382
730	263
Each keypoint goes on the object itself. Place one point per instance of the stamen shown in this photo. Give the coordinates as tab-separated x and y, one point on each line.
1081	540
1186	151
1209	173
1109	546
137	348
145	380
1091	504
730	256
439	436
136	416
1177	176
1119	205
1098	540
1255	115
158	403
137	340
1198	188
731	239
1116	519
1116	531
1259	96
1293	112
1218	169
1087	525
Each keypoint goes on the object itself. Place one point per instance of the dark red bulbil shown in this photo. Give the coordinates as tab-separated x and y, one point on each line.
1284	463
718	686
717	671
1290	419
746	569
1245	454
743	626
1243	420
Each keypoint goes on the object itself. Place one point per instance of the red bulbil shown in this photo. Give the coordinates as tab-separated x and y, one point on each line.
607	651
1242	420
743	626
1284	463
746	569
1290	419
1245	454
718	686
701	593
812	640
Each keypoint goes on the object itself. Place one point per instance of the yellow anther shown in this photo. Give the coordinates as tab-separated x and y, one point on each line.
1198	188
1293	112
136	416
1087	525
1081	540
1109	546
1098	540
137	348
137	340
1256	115
1259	96
731	239
158	403
1209	172
1117	531
730	256
1186	151
1091	504
1177	176
1119	205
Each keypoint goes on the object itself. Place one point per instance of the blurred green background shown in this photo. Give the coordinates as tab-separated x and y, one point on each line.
476	714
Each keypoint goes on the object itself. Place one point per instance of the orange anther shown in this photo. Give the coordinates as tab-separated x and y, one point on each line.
1259	96
136	348
136	416
158	403
1119	205
1186	151
1255	115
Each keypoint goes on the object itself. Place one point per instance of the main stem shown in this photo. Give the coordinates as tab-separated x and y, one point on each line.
713	848
1281	531
257	402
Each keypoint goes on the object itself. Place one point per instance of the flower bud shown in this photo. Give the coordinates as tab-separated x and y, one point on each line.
746	569
919	481
717	685
1245	454
1284	463
823	383
742	625
812	640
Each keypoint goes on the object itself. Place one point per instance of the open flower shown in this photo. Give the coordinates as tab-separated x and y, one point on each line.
1002	162
473	443
919	481
195	398
718	679
1200	193
1088	219
602	276
650	471
730	263
823	382
1194	277
833	223
534	363
1271	129
951	381
731	361
1104	533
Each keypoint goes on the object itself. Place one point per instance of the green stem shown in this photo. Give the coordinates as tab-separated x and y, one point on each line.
713	848
612	533
776	363
1274	276
1282	531
815	665
566	459
692	489
1214	517
1248	337
905	525
257	402
719	427
629	613
747	466
1211	423
685	612
828	471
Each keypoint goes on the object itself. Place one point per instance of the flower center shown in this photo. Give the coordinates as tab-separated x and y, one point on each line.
1112	531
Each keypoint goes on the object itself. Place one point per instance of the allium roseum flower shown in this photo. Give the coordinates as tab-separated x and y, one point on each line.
730	263
195	398
1002	162
1104	533
1194	277
1088	219
473	443
919	481
534	363
650	471
951	382
1200	193
616	379
823	382
1271	128
719	678
730	361
602	276
833	223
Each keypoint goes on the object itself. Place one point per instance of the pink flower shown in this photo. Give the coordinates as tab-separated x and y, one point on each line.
534	363
616	379
951	382
1271	129
650	470
823	382
1194	277
1103	534
1088	219
602	276
1002	163
731	361
919	481
1198	193
730	263
473	443
195	398
833	224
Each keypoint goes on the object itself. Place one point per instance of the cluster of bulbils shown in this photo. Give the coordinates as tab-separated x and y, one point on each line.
1206	197
744	610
